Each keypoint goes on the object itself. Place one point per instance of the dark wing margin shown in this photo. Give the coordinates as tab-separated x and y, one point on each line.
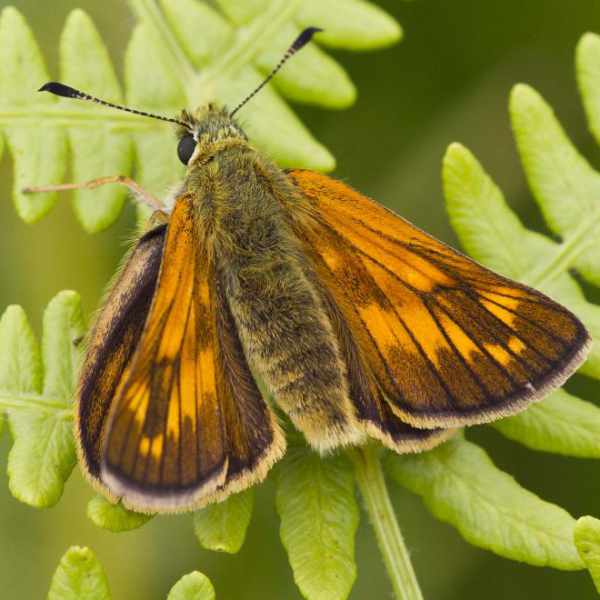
185	423
112	342
449	342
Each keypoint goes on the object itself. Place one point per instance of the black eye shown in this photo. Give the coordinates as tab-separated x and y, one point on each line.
185	148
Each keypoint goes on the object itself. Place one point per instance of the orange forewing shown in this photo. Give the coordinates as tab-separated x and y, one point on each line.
449	341
176	436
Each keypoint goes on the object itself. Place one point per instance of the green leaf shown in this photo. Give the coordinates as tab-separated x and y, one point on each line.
222	526
587	540
461	486
563	183
487	228
193	586
36	142
114	517
587	62
20	365
36	392
198	54
359	26
319	516
79	576
102	149
561	423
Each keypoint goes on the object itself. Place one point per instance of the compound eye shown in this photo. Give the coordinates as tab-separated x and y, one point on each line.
185	148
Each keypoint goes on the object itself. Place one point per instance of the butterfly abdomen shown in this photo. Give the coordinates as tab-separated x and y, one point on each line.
286	334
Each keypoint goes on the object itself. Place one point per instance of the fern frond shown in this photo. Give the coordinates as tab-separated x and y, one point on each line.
196	54
458	481
460	485
36	390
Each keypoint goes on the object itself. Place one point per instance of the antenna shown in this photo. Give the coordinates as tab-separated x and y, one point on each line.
298	43
60	89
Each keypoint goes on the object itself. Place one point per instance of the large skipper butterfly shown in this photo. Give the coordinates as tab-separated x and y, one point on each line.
359	324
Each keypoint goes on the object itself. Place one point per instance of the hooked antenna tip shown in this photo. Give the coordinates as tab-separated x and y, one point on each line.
60	89
304	38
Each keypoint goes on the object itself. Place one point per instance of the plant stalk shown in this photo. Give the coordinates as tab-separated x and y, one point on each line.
372	485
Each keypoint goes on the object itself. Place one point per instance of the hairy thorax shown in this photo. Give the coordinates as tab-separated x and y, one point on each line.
285	332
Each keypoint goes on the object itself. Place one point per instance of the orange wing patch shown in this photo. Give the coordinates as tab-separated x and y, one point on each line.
373	412
450	342
178	433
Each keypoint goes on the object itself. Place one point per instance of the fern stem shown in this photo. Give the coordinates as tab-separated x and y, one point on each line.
566	254
372	485
259	31
149	12
34	402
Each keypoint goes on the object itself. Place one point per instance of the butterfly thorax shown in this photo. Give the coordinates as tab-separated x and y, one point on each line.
259	262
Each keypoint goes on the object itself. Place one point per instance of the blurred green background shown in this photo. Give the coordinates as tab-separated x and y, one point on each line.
447	81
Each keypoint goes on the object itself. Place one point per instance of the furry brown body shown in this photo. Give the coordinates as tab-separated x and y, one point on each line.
268	281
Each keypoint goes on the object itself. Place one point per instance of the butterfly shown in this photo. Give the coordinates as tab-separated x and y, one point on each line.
359	324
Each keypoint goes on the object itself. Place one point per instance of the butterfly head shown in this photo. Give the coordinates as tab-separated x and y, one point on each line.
201	134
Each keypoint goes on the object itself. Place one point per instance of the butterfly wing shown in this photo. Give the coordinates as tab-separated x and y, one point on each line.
186	421
112	342
449	342
373	412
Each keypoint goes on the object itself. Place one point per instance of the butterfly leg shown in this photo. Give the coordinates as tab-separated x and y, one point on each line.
140	193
